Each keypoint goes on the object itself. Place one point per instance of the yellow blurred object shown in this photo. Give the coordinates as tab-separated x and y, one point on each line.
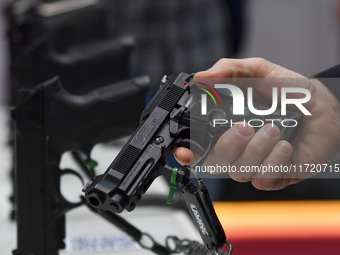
280	219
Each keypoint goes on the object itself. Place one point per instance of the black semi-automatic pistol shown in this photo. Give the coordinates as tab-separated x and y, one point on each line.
172	119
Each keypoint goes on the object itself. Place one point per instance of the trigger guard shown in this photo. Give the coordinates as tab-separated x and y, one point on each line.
191	145
72	172
67	204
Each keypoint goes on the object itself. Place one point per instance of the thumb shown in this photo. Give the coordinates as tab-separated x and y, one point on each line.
184	156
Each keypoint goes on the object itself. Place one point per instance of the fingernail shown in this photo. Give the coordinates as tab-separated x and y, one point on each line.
180	162
244	130
272	130
284	147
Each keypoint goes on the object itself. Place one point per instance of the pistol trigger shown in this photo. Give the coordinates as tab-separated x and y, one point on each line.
191	145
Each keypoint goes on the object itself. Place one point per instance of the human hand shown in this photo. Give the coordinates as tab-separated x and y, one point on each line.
317	141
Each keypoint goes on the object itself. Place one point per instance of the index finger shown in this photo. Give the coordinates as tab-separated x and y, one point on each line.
246	68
